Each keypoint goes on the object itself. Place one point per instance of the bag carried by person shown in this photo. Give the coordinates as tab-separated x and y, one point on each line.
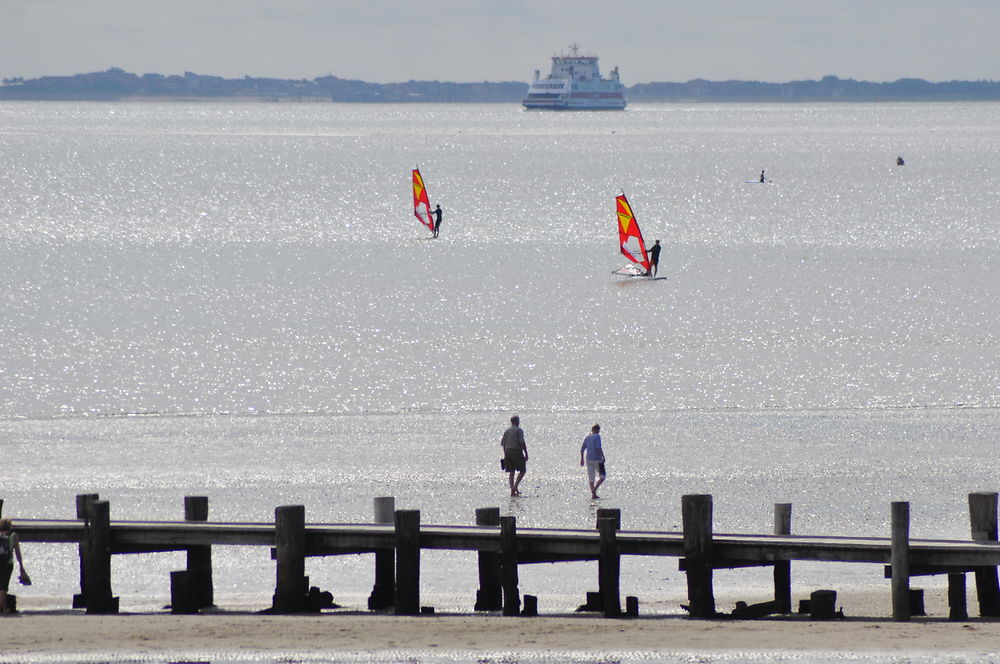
503	464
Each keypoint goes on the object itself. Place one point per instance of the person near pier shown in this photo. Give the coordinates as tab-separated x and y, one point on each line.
654	259
592	456
10	548
437	219
515	454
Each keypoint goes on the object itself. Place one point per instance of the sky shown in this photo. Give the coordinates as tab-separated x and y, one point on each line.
492	40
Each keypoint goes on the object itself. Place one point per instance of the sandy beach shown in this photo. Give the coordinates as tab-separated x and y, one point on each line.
61	634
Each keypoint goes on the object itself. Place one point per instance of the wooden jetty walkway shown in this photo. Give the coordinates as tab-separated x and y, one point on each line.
397	537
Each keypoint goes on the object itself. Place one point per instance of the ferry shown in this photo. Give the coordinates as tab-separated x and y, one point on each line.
575	84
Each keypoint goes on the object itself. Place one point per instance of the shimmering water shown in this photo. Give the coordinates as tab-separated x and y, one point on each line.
236	301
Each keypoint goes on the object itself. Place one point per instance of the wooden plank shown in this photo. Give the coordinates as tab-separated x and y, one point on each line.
782	573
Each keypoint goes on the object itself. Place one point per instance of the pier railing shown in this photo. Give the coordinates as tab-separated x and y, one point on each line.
397	537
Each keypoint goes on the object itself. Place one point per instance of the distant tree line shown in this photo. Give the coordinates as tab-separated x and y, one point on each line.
117	84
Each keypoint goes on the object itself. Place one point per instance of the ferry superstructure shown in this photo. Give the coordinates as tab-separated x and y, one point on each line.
575	83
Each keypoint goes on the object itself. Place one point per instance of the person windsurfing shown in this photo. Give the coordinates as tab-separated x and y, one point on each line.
437	219
654	259
762	178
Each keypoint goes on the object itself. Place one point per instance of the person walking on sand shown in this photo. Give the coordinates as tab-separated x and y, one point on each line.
9	548
592	453
437	219
515	454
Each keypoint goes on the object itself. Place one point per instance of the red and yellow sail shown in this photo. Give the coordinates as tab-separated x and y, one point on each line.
629	235
421	204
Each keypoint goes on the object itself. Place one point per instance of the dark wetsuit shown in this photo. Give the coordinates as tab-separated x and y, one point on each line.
654	258
437	219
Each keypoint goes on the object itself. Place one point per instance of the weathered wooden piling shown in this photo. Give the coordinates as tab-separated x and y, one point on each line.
407	601
384	590
291	586
957	604
83	503
489	596
609	565
696	514
983	519
508	566
900	556
97	559
199	558
783	568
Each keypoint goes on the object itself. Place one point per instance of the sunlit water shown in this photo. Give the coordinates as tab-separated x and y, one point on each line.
236	301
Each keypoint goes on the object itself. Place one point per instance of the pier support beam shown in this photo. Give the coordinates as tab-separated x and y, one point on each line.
489	597
957	605
97	559
199	558
508	566
384	591
901	561
696	513
609	566
407	562
983	518
290	550
783	568
83	503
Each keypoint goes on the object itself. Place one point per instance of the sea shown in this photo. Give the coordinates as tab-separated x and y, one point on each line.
235	300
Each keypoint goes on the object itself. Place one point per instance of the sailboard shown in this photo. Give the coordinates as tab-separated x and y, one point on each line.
630	240
421	204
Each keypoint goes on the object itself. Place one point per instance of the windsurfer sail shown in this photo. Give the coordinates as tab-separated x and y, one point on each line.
630	240
421	204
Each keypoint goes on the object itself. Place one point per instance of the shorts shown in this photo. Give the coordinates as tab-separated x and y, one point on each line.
594	469
6	569
514	460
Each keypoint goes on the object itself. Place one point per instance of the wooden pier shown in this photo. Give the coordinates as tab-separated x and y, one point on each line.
397	538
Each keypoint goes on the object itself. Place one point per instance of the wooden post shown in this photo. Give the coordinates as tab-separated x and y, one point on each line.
199	558
97	588
489	597
609	567
957	605
83	503
783	568
290	552
1	507
384	590
508	566
983	518
696	513
609	513
407	562
900	561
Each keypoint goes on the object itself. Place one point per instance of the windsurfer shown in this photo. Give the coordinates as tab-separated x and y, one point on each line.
900	162
437	219
654	259
592	452
515	453
762	178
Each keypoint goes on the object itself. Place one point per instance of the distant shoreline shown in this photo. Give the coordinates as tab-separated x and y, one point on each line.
118	85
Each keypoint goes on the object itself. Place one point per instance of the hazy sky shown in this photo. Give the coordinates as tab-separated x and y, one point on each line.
474	40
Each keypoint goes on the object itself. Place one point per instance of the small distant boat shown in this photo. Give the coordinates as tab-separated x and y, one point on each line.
633	246
421	204
575	84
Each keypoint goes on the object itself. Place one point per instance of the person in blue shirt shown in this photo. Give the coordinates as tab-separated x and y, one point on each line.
592	456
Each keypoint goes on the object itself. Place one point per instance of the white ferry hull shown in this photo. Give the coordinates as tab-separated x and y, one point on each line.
575	84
